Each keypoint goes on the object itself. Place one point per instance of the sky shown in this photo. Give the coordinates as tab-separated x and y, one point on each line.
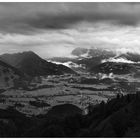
55	29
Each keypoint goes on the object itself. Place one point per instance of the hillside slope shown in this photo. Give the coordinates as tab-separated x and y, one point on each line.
119	117
31	64
8	75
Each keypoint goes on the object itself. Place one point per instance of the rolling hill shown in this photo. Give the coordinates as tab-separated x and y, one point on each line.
63	110
33	65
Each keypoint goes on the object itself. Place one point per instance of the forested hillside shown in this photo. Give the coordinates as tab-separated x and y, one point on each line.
119	117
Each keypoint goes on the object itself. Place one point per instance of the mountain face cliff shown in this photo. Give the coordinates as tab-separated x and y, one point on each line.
33	65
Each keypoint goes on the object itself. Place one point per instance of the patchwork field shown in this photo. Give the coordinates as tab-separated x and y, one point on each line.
54	90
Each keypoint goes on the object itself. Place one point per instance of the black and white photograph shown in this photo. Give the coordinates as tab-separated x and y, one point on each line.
69	70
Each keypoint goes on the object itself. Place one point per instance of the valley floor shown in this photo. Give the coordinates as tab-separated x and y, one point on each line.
74	89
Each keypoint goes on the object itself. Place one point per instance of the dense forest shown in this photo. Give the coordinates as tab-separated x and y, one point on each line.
119	117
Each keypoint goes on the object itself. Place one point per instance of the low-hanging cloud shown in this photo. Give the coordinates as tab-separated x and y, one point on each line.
120	39
55	29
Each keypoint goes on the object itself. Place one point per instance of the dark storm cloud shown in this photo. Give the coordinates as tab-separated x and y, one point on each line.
29	17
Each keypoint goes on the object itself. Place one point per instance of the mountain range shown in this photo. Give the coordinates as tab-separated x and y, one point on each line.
33	65
95	60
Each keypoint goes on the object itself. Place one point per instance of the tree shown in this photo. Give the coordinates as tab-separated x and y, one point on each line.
118	96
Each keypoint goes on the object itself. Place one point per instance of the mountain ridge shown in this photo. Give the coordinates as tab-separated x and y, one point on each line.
33	65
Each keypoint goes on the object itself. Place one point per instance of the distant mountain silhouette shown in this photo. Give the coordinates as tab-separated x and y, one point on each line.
33	65
87	57
92	60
